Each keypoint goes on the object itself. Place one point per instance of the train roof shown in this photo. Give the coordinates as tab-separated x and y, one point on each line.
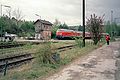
64	30
71	30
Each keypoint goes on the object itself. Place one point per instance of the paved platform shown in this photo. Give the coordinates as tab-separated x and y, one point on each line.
100	64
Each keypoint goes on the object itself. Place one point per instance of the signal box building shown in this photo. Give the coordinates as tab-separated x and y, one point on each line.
42	29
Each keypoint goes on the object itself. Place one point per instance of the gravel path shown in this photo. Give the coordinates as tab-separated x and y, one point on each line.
98	65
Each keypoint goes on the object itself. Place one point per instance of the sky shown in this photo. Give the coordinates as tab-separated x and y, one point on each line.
68	11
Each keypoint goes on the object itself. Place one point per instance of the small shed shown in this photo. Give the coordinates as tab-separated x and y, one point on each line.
42	29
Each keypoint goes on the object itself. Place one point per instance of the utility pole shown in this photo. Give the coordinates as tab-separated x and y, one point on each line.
111	17
111	23
1	24
1	9
4	6
83	23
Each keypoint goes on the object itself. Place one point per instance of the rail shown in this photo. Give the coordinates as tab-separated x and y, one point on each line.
14	61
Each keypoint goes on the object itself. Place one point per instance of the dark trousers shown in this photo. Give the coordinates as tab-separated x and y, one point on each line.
107	42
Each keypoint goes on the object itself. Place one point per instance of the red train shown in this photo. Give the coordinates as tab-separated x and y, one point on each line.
65	33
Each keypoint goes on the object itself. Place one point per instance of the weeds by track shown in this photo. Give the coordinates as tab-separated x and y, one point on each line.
20	59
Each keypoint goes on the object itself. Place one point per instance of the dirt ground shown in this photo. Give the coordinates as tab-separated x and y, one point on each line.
101	64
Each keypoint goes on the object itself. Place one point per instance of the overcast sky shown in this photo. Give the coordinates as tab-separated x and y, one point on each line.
68	11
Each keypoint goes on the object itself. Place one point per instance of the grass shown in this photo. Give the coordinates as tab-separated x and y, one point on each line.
37	69
29	48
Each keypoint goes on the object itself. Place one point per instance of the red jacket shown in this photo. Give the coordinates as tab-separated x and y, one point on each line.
107	38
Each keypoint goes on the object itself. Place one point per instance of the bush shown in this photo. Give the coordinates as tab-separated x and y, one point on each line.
79	42
44	55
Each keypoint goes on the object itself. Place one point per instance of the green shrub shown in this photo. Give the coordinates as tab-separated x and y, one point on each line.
79	42
44	54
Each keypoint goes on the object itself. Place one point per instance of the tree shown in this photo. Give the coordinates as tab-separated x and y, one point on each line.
118	30
64	26
57	22
18	14
3	25
55	27
10	26
112	29
27	29
108	27
8	11
80	28
95	27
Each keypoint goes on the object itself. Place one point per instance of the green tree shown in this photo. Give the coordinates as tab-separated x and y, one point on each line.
27	29
64	26
55	27
113	29
108	27
3	25
10	26
118	30
80	28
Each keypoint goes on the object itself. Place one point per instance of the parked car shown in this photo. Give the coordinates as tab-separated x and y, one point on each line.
9	37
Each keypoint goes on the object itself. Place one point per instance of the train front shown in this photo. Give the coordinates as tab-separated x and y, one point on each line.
59	33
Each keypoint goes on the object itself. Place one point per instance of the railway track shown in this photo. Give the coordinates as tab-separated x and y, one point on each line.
11	45
64	48
17	44
15	61
20	59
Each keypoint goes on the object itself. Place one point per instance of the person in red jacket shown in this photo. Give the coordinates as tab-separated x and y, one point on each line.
107	39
